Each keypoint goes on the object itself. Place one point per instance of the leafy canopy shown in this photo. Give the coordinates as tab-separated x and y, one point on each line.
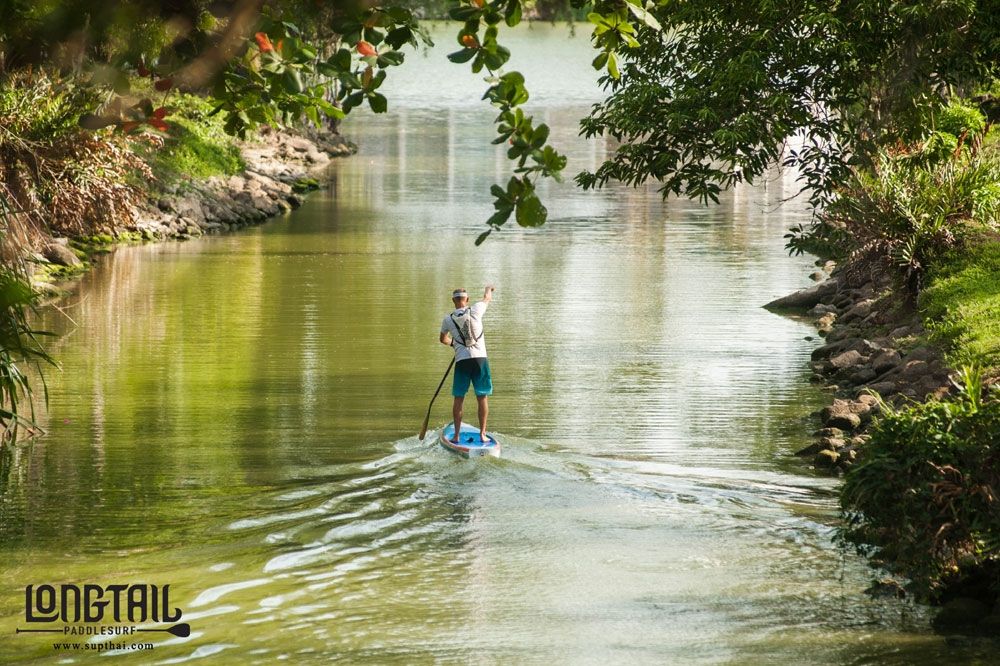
701	94
727	90
280	62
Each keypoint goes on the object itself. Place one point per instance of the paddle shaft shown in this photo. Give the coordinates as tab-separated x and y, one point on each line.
427	419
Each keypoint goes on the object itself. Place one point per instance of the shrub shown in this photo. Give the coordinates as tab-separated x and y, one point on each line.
57	177
910	205
37	107
19	345
960	117
903	215
922	501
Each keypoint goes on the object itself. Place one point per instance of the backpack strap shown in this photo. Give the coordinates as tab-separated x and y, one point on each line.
458	329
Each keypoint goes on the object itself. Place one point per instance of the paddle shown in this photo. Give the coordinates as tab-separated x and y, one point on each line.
427	419
182	630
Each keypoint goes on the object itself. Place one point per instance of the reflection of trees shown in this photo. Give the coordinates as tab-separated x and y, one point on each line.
129	412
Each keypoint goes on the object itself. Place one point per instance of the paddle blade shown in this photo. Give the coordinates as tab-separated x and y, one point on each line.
182	630
423	428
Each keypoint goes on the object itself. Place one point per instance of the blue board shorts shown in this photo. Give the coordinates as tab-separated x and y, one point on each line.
476	371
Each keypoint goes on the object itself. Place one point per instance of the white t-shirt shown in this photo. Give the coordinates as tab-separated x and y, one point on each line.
477	350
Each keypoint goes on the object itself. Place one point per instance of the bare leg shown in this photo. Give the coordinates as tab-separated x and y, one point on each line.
484	411
456	415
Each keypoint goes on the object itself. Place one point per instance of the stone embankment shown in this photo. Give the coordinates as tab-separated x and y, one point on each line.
875	350
279	168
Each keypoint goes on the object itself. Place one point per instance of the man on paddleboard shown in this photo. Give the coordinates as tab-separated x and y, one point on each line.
463	330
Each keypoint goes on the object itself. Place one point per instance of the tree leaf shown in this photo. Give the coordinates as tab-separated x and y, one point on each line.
539	136
512	14
292	80
531	212
341	60
465	55
500	217
390	58
378	103
466	13
399	36
644	16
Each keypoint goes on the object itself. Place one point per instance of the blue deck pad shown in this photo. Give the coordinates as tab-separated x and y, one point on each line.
469	436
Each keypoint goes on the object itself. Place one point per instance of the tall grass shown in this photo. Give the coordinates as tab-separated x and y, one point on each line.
914	204
19	347
906	213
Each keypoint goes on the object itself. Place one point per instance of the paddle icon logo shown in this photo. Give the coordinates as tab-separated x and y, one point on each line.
97	611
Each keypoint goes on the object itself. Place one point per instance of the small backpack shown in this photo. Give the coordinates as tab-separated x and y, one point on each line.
466	331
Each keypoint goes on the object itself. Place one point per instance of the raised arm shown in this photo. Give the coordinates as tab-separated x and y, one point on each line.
488	293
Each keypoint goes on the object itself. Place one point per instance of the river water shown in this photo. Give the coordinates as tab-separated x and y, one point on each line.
236	416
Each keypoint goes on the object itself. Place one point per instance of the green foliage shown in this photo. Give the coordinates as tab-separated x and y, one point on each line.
37	32
712	99
821	238
280	79
542	10
703	95
922	500
59	178
960	117
38	107
961	304
907	211
989	87
196	146
297	59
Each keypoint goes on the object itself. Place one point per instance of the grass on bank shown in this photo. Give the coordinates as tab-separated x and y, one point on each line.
196	145
961	305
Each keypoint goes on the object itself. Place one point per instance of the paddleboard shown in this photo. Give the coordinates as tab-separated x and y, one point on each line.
469	444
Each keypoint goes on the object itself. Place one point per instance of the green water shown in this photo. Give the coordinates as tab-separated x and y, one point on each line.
236	416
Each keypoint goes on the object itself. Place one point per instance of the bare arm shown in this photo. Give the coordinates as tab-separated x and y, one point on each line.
488	293
445	338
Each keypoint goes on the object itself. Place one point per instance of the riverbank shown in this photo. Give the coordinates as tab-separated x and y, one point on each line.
910	316
912	432
278	168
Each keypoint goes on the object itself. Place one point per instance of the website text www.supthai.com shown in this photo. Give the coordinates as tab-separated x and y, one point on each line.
110	632
101	647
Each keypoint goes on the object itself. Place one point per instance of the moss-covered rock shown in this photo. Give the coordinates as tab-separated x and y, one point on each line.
305	185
